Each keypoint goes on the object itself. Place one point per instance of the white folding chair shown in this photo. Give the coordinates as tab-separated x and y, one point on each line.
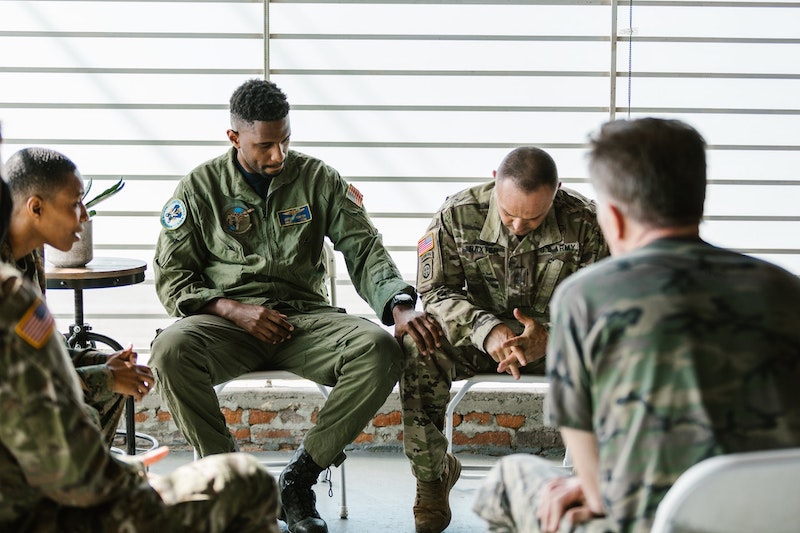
269	375
467	384
754	491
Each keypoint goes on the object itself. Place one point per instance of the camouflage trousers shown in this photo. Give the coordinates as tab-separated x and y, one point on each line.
425	392
109	409
222	493
509	496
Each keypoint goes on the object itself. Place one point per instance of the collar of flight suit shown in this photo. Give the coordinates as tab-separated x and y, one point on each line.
493	229
239	188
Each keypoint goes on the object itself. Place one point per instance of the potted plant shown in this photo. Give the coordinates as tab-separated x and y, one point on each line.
82	251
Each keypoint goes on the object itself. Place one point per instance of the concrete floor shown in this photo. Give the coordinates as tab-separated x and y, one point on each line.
380	491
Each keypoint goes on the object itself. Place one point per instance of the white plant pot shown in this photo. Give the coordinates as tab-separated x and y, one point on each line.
81	252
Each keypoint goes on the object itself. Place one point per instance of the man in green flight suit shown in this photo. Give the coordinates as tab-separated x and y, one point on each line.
239	260
488	265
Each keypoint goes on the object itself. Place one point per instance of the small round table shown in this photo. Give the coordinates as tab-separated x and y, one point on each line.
100	273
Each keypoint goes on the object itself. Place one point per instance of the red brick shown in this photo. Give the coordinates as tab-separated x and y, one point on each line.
510	421
232	417
492	438
272	434
483	419
395	418
241	433
258	416
364	438
457	419
314	416
163	416
140	417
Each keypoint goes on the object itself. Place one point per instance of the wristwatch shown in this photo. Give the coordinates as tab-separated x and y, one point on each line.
401	298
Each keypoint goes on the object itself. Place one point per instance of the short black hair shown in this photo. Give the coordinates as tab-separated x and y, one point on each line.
38	171
655	168
529	168
5	201
257	100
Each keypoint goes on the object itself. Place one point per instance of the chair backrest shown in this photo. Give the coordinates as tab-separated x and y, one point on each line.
330	269
755	491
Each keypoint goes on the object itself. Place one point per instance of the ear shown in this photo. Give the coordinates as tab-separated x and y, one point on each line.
33	206
233	137
494	174
619	225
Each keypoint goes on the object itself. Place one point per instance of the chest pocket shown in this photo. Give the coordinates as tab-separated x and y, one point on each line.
482	279
546	283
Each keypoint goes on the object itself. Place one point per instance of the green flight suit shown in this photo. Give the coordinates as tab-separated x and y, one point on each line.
472	273
221	239
56	472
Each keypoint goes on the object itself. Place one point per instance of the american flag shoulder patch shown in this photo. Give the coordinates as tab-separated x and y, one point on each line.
425	244
354	195
36	325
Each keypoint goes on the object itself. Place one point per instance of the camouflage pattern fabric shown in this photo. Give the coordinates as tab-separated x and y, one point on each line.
56	472
509	496
96	378
671	354
472	273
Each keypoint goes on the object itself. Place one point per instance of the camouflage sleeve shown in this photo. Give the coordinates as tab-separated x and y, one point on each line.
441	282
179	262
569	401
374	273
45	425
97	383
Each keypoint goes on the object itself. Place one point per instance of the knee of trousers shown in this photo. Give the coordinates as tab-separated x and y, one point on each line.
171	350
384	353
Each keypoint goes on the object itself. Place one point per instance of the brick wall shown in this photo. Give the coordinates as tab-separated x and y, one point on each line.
489	420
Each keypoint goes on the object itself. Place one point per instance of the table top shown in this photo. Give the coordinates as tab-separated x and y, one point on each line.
99	273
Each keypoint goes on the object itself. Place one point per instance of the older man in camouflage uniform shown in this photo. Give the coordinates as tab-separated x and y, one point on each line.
671	353
56	472
487	267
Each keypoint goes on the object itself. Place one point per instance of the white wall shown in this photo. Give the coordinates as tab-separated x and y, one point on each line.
411	101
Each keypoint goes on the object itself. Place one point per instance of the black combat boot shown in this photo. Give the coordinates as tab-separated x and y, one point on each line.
297	498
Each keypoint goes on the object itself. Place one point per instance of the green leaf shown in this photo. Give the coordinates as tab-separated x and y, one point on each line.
108	193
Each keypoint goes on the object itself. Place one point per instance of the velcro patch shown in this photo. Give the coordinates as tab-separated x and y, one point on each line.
36	325
425	244
173	214
295	215
354	195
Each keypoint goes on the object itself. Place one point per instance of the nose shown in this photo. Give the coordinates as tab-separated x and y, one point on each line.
277	153
84	214
518	227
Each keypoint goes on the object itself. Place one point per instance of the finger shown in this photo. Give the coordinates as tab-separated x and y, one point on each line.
579	515
428	337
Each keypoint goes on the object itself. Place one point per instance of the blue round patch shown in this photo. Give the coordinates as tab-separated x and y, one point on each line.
173	214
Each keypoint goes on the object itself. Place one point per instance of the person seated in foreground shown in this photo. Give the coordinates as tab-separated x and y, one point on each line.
46	192
671	352
488	265
56	470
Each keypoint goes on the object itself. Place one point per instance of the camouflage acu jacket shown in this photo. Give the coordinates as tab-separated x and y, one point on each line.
671	354
96	379
51	450
472	272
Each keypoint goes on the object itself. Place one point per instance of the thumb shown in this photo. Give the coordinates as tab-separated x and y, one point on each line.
523	319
